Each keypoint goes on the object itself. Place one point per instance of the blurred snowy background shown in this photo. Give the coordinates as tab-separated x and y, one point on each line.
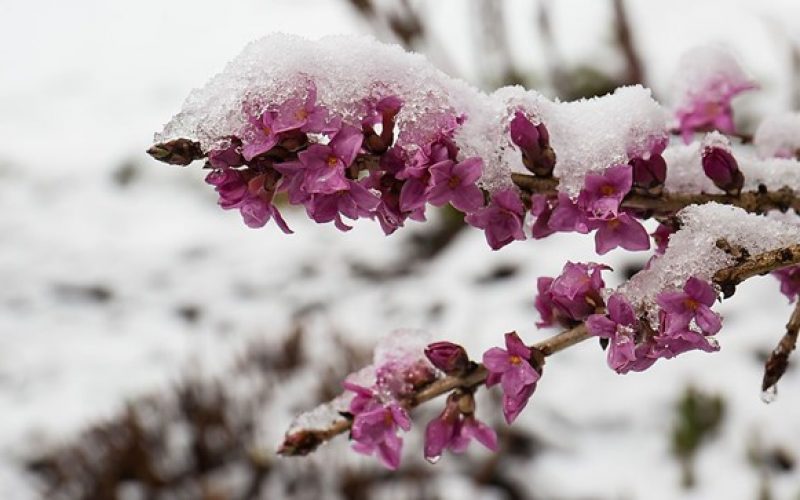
152	346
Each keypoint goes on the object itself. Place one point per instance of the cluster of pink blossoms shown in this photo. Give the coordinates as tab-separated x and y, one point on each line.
597	207
378	414
686	322
339	170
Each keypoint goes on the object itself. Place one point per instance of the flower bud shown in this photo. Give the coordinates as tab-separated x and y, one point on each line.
449	357
649	174
534	141
721	167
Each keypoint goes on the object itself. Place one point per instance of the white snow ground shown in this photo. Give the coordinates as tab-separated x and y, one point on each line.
84	85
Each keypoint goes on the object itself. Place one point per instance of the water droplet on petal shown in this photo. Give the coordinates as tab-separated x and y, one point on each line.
433	459
769	395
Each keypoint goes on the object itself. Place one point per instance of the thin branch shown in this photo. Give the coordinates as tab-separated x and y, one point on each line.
779	359
668	203
304	441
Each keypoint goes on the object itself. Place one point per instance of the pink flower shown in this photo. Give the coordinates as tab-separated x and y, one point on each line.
623	231
619	326
229	156
603	193
501	219
363	397
325	165
790	281
567	216
374	431
675	337
303	115
260	136
661	238
455	183
694	302
354	202
231	186
542	210
544	302
710	108
454	430
511	367
570	297
251	197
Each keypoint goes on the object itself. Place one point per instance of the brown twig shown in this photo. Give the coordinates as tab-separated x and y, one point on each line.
778	360
304	441
668	203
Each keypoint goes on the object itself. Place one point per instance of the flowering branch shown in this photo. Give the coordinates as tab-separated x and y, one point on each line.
304	441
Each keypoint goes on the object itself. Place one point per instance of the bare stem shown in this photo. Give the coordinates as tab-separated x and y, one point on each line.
778	361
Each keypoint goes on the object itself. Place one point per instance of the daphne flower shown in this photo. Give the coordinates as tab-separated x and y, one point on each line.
694	302
455	183
374	431
230	185
623	231
354	202
576	291
710	78
324	165
251	197
790	281
229	156
501	219
567	216
363	397
454	430
661	238
619	326
603	193
260	136
304	115
511	367
541	209
675	337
